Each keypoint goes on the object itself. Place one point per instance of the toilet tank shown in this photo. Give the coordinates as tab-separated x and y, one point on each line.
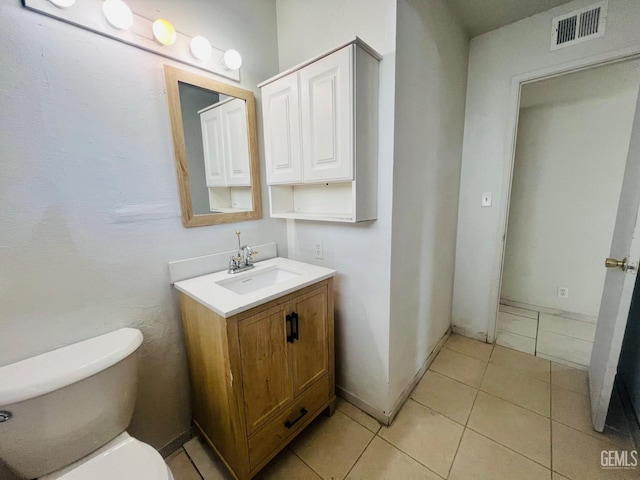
64	404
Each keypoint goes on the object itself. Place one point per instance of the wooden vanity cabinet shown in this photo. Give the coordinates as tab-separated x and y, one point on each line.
259	377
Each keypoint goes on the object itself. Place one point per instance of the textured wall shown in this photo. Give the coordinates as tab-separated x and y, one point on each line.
360	253
431	73
89	213
495	58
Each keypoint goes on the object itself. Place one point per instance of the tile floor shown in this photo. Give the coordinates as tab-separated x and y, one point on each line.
555	337
479	413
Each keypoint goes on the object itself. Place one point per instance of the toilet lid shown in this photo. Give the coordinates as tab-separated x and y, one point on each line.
127	460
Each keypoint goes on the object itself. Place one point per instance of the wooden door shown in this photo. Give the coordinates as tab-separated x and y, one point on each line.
212	143
265	363
310	348
326	107
236	143
281	119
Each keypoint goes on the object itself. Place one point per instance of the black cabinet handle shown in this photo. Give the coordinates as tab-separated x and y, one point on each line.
295	333
290	336
303	412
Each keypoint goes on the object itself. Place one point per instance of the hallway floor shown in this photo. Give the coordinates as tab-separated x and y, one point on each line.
480	412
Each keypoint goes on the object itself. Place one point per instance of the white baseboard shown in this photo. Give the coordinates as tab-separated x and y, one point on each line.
466	333
362	405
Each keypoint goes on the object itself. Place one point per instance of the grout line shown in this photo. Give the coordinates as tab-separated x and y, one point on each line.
360	456
550	420
466	354
195	467
509	448
300	458
411	457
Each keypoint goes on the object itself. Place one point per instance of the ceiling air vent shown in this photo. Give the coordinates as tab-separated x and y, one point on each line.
578	26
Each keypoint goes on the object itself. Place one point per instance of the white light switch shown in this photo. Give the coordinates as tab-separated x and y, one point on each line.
486	199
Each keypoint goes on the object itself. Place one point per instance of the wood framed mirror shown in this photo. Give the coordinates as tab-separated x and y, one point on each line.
216	149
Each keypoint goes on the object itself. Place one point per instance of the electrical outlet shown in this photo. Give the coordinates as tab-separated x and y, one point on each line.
318	250
563	292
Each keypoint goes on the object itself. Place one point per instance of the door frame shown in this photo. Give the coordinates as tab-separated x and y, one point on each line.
517	81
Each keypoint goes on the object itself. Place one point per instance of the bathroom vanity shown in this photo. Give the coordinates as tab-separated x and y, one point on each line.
260	346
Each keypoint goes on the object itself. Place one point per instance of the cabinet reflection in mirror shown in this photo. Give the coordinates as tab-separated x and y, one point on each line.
216	150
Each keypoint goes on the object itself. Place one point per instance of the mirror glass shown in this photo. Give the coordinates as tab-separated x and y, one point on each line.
215	143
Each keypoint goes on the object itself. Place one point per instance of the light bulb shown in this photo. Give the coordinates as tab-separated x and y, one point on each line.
200	48
118	14
63	3
164	32
232	59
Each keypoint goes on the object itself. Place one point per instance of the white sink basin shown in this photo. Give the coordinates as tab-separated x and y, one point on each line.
229	295
249	282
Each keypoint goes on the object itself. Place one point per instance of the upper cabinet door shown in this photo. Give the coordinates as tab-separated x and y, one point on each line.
281	119
236	143
211	122
326	104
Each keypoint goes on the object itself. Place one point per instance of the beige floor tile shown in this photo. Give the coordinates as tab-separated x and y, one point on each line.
570	378
525	326
468	346
286	466
182	468
332	445
516	388
382	461
560	346
460	367
574	410
557	476
567	326
536	367
446	396
516	342
479	458
425	435
515	427
577	456
206	461
358	415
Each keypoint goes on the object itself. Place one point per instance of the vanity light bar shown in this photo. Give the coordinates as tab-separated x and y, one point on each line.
87	14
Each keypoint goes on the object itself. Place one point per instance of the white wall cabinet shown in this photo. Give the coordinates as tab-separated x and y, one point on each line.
320	124
226	155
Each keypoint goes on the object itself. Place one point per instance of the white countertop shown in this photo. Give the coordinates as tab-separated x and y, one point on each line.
206	290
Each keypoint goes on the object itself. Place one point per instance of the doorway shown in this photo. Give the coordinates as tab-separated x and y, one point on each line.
571	148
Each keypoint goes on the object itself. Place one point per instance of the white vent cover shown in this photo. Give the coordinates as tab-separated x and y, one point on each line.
578	26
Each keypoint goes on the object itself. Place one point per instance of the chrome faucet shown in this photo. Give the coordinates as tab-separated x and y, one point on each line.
243	261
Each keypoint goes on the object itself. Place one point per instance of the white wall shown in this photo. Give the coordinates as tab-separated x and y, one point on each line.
494	59
431	73
569	164
89	212
360	253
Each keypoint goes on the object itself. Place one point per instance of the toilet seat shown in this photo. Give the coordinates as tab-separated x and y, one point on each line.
124	458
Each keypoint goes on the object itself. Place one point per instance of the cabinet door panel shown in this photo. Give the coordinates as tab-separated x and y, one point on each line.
310	350
326	101
211	122
236	142
281	114
266	377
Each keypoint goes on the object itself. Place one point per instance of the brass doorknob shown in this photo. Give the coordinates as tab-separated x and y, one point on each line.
613	263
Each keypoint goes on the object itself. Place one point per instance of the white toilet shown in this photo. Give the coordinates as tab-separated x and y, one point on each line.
64	414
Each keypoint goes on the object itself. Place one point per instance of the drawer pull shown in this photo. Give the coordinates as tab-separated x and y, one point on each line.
303	412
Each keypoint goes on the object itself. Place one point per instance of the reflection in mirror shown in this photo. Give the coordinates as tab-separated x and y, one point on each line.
215	142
